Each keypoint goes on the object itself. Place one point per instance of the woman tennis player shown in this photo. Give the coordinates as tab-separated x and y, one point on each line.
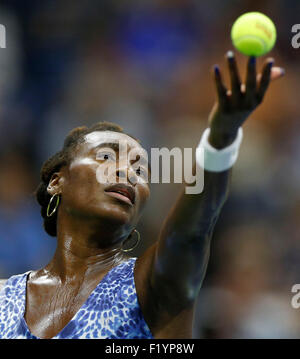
91	288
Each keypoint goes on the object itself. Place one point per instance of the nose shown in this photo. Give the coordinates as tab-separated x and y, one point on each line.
126	173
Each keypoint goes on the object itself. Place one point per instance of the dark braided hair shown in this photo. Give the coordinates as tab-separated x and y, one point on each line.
63	158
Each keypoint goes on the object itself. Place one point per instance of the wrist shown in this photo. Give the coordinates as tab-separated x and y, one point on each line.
217	160
220	139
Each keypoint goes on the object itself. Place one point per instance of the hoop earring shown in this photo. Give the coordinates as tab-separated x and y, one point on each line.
137	242
56	205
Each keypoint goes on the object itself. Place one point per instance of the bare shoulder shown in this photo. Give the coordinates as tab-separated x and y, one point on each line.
2	283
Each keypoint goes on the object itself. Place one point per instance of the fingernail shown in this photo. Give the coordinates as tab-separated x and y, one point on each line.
230	55
216	69
252	60
271	62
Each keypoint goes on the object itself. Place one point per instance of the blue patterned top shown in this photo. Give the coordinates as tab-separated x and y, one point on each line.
111	311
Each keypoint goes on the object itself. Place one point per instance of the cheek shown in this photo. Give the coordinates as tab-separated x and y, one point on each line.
81	184
144	195
84	195
89	170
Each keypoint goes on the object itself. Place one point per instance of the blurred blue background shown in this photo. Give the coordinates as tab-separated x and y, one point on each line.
146	65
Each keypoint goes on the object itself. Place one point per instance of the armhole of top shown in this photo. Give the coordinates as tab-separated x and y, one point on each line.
2	283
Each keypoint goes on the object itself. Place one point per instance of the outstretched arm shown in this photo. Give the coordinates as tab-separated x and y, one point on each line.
182	252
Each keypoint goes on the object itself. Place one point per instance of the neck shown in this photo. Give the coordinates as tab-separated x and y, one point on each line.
86	248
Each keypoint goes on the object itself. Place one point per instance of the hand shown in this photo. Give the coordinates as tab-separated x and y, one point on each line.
234	106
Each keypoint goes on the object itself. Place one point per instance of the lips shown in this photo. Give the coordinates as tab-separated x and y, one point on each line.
122	191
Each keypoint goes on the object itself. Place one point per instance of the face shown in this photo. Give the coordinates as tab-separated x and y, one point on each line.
107	179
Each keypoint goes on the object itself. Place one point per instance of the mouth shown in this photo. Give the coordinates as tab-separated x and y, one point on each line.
122	192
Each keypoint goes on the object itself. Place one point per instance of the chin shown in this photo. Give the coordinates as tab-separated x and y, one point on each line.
115	213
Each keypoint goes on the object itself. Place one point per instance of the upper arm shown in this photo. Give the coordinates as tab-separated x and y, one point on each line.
159	305
2	283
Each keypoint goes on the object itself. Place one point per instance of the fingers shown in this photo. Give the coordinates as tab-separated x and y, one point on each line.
221	89
276	73
269	73
234	77
250	96
257	85
265	79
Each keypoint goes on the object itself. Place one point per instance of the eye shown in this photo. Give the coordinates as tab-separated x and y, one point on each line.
106	156
140	171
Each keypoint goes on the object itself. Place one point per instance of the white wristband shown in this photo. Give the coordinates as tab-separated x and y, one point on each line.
214	160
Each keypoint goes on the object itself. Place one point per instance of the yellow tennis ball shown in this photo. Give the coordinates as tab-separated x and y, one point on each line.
253	34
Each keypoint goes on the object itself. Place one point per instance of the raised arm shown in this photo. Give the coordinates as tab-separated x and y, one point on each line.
182	252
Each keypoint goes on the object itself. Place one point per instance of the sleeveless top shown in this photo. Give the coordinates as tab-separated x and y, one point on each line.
111	311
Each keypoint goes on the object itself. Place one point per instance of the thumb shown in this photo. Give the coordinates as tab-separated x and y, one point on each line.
276	73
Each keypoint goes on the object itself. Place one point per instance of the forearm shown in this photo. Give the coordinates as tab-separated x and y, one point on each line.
194	214
184	242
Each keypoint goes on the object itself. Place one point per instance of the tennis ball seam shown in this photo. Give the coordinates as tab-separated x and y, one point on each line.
262	41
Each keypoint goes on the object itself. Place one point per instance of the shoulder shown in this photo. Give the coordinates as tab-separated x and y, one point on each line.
14	281
2	283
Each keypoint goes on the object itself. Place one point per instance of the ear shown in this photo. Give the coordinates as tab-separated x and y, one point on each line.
55	184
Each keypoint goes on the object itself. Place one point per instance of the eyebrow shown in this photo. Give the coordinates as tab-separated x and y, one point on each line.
115	147
112	145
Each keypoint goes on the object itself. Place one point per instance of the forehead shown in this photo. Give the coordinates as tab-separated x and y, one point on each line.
96	138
